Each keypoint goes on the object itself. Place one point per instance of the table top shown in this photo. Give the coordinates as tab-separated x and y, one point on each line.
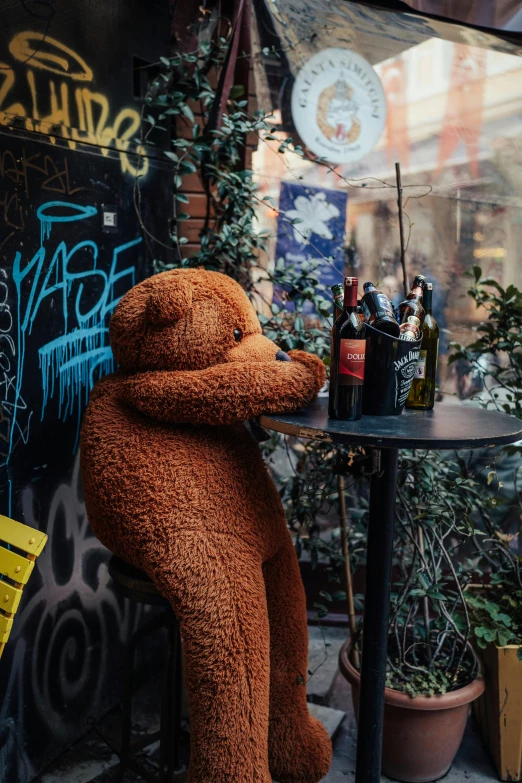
447	426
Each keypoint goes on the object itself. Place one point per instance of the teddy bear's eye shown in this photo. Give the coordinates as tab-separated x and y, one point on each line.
238	334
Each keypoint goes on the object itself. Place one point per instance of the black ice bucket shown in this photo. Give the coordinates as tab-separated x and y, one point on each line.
388	373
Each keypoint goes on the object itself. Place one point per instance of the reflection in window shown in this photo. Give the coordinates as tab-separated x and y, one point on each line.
454	120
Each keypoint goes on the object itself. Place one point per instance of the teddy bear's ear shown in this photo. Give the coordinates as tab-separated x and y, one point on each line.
168	303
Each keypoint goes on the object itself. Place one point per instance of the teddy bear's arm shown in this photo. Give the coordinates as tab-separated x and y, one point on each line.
226	393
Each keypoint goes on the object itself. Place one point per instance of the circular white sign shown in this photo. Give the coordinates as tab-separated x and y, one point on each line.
338	105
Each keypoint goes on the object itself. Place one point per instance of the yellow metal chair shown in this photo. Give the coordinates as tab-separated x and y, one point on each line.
15	568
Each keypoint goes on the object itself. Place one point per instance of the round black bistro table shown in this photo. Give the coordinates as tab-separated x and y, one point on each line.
446	427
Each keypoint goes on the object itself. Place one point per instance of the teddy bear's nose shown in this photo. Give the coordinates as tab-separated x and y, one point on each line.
281	356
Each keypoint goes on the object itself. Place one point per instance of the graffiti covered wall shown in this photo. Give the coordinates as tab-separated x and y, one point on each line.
71	244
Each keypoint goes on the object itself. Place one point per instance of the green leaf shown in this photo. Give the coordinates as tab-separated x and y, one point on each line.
187	167
477	273
436	594
322	610
187	111
237	91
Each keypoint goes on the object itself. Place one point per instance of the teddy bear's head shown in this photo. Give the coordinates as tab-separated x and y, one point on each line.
187	319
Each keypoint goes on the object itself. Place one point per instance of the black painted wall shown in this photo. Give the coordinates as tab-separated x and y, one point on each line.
71	76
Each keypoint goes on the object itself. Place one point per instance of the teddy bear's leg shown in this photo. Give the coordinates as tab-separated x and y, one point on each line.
300	750
215	584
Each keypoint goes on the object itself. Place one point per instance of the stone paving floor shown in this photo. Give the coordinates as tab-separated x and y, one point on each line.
90	761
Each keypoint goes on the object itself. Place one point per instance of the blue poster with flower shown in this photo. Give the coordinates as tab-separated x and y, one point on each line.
311	225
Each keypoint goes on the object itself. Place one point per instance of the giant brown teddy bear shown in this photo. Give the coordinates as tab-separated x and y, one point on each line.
176	486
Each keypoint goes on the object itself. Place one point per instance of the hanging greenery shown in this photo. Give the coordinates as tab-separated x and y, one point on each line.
495	602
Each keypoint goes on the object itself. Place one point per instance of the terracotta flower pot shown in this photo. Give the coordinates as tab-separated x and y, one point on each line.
421	735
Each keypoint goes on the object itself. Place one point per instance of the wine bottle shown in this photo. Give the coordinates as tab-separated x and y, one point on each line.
412	305
347	358
378	311
422	392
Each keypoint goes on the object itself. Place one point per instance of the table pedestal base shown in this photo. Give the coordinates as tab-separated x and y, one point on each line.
376	612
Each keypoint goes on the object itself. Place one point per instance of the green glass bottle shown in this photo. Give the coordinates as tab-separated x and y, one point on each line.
422	392
338	296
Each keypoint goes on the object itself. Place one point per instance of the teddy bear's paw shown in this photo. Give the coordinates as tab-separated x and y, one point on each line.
313	363
301	754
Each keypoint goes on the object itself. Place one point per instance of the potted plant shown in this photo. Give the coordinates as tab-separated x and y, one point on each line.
433	672
495	599
496	616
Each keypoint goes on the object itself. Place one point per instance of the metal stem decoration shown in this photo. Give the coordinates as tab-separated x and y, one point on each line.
347	569
425	600
401	229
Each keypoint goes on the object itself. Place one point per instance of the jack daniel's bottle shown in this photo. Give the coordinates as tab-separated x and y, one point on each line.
347	358
422	392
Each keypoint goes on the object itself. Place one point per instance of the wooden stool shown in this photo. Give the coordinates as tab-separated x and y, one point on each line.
136	586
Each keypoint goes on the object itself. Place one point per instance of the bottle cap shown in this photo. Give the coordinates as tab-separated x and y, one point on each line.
429	286
337	289
353	281
412	319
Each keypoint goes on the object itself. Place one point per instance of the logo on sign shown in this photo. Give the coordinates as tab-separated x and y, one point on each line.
338	105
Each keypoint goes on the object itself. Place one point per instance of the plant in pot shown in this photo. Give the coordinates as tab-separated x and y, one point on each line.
495	596
496	617
432	670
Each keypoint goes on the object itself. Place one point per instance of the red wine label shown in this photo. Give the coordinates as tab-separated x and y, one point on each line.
351	362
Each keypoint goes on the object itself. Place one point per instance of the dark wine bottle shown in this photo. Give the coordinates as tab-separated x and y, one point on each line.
347	358
422	392
412	305
378	311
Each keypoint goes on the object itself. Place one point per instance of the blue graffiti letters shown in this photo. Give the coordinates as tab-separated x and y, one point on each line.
71	286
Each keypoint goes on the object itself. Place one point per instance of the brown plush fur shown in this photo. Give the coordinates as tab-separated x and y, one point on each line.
175	485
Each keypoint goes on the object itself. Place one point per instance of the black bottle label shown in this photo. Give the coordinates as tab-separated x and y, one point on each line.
404	373
384	304
376	304
351	362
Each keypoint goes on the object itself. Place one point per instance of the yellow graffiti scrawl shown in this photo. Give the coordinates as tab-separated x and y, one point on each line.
73	111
